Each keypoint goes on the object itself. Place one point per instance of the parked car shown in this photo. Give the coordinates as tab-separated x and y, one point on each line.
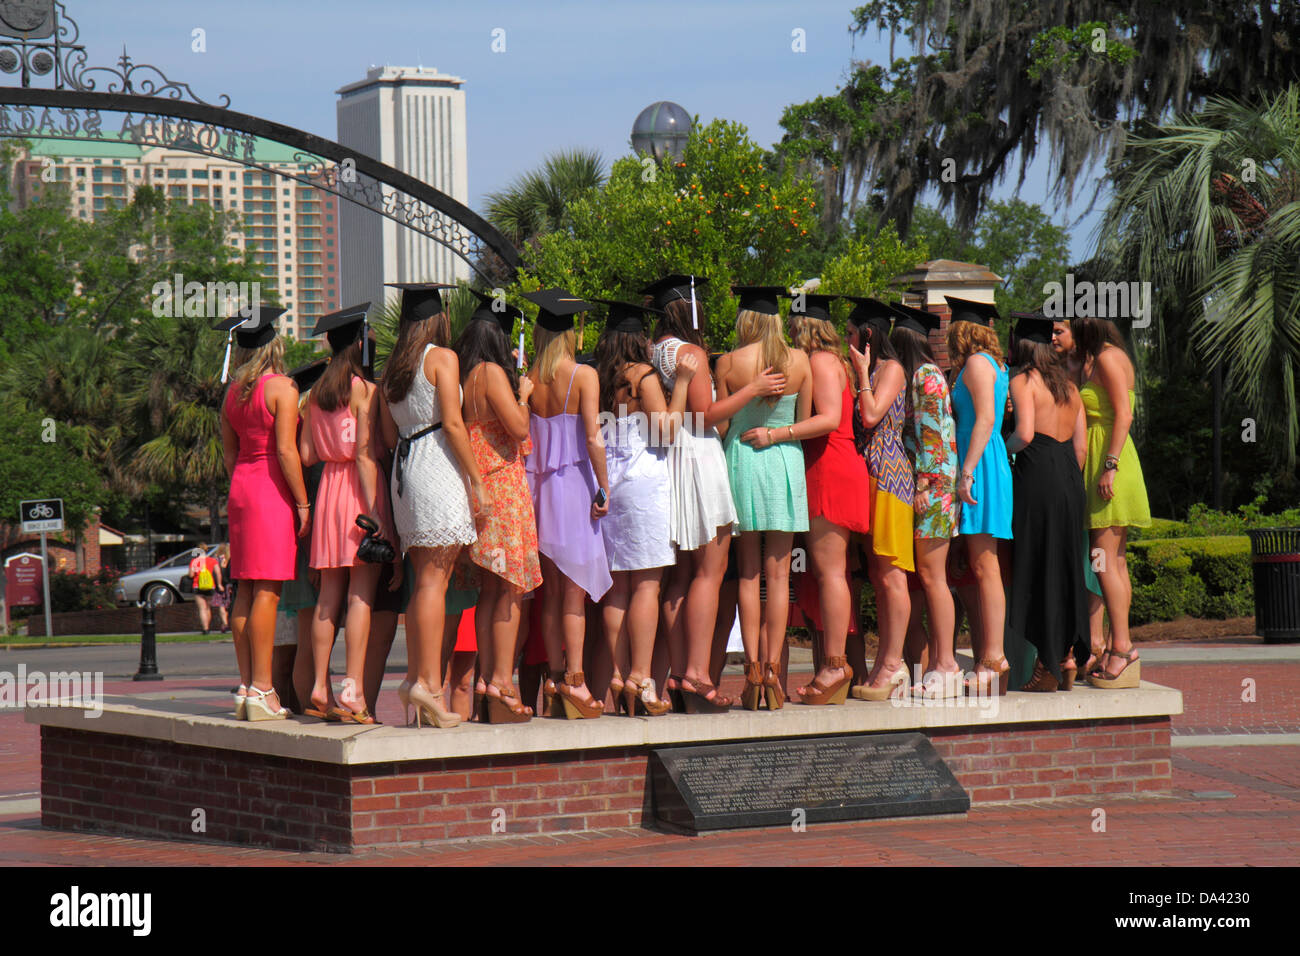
161	583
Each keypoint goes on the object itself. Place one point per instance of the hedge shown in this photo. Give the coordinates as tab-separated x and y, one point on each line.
1208	577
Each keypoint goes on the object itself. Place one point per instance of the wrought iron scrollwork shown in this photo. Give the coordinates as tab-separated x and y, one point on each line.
62	57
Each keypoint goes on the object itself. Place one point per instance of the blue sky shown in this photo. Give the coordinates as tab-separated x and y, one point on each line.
574	73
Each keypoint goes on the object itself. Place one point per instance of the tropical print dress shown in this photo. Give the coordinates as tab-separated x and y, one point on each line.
930	438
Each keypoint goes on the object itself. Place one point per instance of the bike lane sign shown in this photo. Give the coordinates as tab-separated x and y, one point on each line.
41	516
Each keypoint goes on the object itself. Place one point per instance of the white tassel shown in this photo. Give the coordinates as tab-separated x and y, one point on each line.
365	342
695	322
225	365
519	360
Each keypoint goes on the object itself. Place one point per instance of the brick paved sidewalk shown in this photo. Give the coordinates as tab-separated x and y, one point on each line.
1232	805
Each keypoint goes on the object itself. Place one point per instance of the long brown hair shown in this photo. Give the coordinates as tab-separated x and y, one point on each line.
334	390
252	364
408	352
913	350
616	352
1092	335
676	321
1040	358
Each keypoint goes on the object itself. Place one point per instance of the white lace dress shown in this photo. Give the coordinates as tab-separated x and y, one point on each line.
700	494
433	509
637	528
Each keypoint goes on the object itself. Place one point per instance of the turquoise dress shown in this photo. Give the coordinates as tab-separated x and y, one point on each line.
991	488
767	484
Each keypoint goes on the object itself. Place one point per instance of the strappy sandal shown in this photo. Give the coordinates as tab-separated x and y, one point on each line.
1042	681
348	696
675	693
255	706
572	706
241	701
895	685
497	711
773	691
1129	676
698	700
981	682
816	694
639	699
752	695
550	692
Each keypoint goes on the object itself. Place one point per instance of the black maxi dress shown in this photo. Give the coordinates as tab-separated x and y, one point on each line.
1049	600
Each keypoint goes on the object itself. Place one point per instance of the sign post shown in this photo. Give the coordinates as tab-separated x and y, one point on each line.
21	588
43	516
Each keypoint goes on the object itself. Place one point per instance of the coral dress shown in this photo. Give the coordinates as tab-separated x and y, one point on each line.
563	486
991	488
767	484
335	534
839	485
507	541
893	487
263	536
1130	505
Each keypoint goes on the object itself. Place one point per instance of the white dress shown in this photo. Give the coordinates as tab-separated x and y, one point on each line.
700	500
636	530
433	509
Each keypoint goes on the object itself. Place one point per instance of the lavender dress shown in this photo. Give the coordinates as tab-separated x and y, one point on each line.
563	486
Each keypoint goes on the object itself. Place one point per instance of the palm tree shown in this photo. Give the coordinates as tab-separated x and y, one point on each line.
1207	209
537	201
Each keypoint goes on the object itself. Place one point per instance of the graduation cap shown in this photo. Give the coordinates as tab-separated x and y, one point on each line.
1033	327
487	309
556	308
305	376
420	300
673	287
759	298
626	317
342	328
869	311
248	332
917	320
964	310
815	305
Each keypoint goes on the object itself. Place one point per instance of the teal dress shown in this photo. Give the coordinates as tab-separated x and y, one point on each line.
991	488
767	484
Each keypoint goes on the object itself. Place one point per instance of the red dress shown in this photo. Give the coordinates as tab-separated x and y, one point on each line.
263	538
836	475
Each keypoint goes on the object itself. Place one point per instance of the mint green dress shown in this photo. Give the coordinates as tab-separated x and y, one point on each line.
767	484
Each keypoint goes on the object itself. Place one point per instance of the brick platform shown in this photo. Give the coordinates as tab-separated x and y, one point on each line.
306	786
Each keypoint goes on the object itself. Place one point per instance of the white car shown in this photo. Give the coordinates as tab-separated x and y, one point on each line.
162	583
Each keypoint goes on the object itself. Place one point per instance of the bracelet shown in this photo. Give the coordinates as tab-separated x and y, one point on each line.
769	437
968	474
307	506
1110	466
791	428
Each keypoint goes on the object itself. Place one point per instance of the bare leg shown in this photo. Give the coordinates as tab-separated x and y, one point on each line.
828	546
677	582
1117	589
333	584
776	570
460	683
639	625
362	581
614	609
932	568
751	612
383	629
893	608
239	631
983	553
426	614
205	612
709	564
726	616
261	634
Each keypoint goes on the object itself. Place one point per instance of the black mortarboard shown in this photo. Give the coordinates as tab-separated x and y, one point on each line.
815	305
917	320
249	332
964	310
869	311
420	300
1033	327
759	298
556	308
626	317
344	327
505	315
673	287
305	376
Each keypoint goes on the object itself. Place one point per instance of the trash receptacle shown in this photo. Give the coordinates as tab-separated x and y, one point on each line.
1275	561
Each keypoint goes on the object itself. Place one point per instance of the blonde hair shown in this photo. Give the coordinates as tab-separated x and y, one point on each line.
967	338
252	364
551	349
811	334
764	329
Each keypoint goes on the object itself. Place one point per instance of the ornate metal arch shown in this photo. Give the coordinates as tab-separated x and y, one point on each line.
38	38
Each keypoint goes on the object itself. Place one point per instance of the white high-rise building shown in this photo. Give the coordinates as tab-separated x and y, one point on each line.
413	119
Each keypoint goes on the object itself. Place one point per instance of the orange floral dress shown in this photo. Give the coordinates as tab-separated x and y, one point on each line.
507	540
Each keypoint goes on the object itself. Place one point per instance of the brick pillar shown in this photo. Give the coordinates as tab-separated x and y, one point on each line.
90	545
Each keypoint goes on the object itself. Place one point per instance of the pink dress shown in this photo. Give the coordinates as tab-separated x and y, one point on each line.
263	541
335	535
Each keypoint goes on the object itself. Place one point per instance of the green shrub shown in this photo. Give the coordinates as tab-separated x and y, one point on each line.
1160	529
1192	577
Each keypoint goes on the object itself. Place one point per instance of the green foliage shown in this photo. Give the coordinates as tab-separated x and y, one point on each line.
73	591
871	263
1061	47
32	467
538	201
1204	521
723	212
1190	577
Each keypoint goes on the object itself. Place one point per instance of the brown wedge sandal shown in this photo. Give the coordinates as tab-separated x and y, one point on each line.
572	706
815	694
752	695
773	691
497	710
982	683
639	699
1129	676
695	693
1043	681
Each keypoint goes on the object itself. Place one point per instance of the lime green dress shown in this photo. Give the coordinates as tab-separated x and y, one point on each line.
1129	507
